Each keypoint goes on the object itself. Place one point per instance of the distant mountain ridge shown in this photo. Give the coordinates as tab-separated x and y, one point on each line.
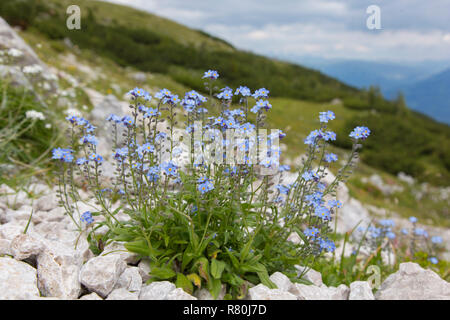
426	85
431	96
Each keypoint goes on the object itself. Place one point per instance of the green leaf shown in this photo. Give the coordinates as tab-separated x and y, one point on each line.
195	279
217	268
184	283
188	255
215	286
203	268
162	273
264	277
233	259
140	247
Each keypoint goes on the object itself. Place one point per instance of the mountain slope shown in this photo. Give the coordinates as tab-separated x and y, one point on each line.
128	38
157	47
432	96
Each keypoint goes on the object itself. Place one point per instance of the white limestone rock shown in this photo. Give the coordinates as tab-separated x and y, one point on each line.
261	292
17	280
179	294
204	294
130	279
12	229
156	290
100	274
58	269
144	270
46	203
91	296
122	294
55	215
282	282
311	275
118	248
360	290
5	247
412	282
312	292
24	246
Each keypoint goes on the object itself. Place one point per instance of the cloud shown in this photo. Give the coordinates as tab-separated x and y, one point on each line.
412	30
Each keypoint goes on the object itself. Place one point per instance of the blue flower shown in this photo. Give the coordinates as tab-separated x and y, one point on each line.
147	96
127	121
327	245
87	217
311	232
261	104
314	199
202	179
321	187
313	136
269	161
89	128
360	133
390	235
420	232
81	161
284	167
211	74
137	92
142	108
226	94
89	139
261	93
434	260
114	118
146	148
82	122
150	112
436	239
174	99
282	189
170	169
329	135
236	113
243	91
163	94
322	212
206	186
324	117
404	231
230	171
386	223
310	175
64	155
153	173
121	153
335	203
136	165
160	135
331	157
72	119
413	219
96	157
188	104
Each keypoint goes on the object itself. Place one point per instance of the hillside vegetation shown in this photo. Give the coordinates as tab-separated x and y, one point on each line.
403	140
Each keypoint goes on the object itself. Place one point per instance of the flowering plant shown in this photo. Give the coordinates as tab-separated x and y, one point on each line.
202	216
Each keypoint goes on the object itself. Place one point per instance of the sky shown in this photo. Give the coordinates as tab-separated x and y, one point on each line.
412	31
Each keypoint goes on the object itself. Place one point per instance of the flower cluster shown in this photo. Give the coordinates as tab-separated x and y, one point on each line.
193	212
360	133
383	235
